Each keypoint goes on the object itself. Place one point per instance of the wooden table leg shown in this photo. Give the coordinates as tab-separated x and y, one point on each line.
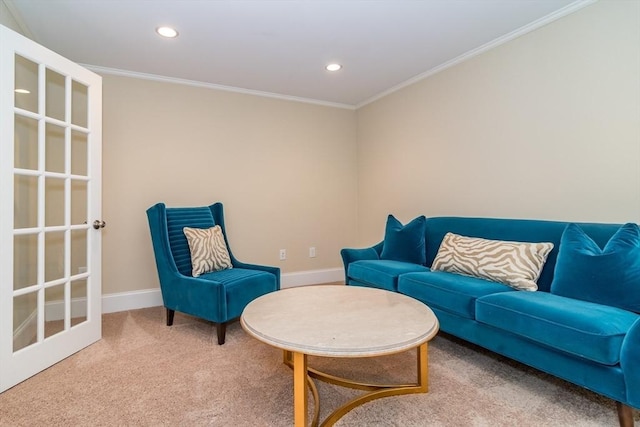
300	389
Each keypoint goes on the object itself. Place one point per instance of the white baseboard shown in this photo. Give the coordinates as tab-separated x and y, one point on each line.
133	300
311	277
54	310
25	333
123	301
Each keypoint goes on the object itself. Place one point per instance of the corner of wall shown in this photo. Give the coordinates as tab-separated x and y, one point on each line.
11	18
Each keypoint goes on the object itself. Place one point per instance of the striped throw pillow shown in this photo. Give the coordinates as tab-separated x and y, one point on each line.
516	264
208	250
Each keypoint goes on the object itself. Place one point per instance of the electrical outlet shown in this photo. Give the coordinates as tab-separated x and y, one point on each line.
312	252
283	254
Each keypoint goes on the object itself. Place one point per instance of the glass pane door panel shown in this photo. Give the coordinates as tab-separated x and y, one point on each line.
25	143
26	84
54	97
54	202
78	202
53	310
78	251
79	153
25	203
50	147
79	104
25	320
78	301
54	255
25	261
54	148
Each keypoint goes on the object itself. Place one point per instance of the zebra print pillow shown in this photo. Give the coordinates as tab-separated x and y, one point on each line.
517	264
208	250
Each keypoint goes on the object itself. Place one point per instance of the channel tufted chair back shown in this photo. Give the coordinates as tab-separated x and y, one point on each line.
218	296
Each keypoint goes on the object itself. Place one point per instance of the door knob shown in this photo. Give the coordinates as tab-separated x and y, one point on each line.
97	224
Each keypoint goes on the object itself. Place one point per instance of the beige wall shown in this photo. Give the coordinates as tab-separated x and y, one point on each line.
545	126
285	171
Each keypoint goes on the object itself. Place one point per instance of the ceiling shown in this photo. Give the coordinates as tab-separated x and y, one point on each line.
280	48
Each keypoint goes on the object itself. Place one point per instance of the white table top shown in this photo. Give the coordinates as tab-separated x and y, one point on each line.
339	321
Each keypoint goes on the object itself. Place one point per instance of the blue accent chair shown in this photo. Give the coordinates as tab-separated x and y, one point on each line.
218	296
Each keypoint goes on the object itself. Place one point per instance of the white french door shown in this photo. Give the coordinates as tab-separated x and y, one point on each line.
50	208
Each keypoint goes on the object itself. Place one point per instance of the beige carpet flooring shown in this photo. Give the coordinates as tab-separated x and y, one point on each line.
143	373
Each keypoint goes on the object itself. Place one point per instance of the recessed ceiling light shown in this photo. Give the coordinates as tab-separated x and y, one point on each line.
167	32
333	67
22	91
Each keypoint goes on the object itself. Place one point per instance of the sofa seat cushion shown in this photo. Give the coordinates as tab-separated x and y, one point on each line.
450	292
585	329
381	274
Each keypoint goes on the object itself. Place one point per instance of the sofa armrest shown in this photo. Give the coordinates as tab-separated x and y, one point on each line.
350	255
629	361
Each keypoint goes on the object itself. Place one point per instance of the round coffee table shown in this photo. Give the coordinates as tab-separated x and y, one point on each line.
341	321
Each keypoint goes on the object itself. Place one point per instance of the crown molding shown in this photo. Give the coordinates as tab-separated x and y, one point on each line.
560	13
17	16
164	79
567	10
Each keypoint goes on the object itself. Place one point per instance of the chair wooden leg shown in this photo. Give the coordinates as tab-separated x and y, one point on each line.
221	328
170	314
625	415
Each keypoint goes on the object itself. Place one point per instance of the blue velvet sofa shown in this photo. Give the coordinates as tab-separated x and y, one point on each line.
589	340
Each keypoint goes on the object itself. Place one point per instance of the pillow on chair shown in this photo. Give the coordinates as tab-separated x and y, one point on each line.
208	250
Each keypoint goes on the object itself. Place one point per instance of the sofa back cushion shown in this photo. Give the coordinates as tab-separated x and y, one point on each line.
520	230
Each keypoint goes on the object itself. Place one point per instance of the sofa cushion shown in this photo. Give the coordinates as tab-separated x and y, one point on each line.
517	264
608	276
381	274
585	329
404	242
450	292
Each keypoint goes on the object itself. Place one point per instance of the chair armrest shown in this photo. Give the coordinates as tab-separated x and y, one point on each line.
350	255
196	297
269	269
629	361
